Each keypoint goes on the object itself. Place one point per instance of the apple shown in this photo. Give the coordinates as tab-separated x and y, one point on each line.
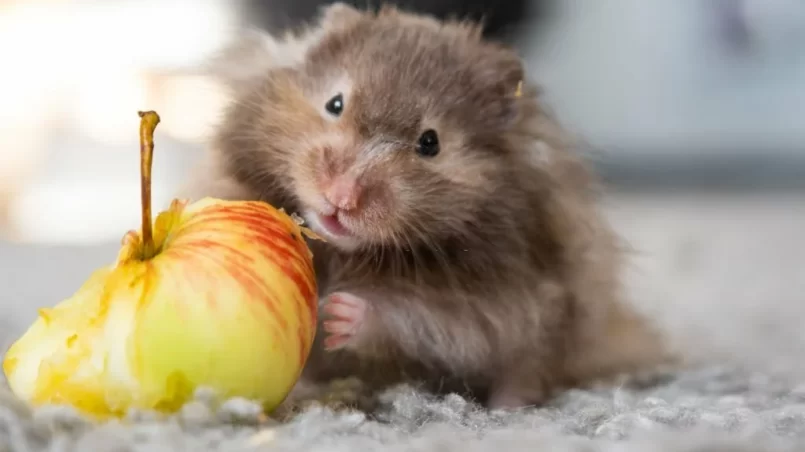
216	294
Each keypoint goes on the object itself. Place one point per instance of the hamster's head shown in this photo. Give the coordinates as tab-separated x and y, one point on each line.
387	128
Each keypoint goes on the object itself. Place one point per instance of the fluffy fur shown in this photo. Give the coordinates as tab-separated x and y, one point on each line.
486	267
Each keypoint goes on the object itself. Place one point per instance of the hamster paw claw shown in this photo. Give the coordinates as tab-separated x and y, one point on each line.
347	313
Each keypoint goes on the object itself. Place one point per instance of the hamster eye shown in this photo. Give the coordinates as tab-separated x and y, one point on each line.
335	105
428	144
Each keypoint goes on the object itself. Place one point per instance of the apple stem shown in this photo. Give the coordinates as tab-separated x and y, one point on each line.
148	123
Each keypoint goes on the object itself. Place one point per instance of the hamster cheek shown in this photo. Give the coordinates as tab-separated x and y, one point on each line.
347	317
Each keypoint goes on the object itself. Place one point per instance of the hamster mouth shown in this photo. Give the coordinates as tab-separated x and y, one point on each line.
329	225
333	225
333	230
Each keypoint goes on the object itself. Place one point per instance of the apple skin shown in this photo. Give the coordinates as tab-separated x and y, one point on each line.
228	302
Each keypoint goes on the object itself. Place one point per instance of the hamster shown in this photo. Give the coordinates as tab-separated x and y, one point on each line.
463	245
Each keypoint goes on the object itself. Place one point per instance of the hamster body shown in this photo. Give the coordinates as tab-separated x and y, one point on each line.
463	244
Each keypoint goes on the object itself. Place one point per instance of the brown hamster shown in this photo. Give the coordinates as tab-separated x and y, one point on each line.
463	240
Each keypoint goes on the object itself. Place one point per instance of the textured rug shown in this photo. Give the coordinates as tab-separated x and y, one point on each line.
705	410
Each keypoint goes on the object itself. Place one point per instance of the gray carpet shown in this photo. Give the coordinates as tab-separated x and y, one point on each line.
724	276
711	410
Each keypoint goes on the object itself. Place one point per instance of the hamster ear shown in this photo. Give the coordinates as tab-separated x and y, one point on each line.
502	72
339	15
501	66
252	53
246	57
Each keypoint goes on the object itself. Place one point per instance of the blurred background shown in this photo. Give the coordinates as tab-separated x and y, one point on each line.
692	110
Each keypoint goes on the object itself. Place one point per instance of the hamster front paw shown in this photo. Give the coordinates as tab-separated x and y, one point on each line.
347	316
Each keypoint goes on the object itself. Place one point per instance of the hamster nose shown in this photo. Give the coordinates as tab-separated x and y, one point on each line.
343	193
